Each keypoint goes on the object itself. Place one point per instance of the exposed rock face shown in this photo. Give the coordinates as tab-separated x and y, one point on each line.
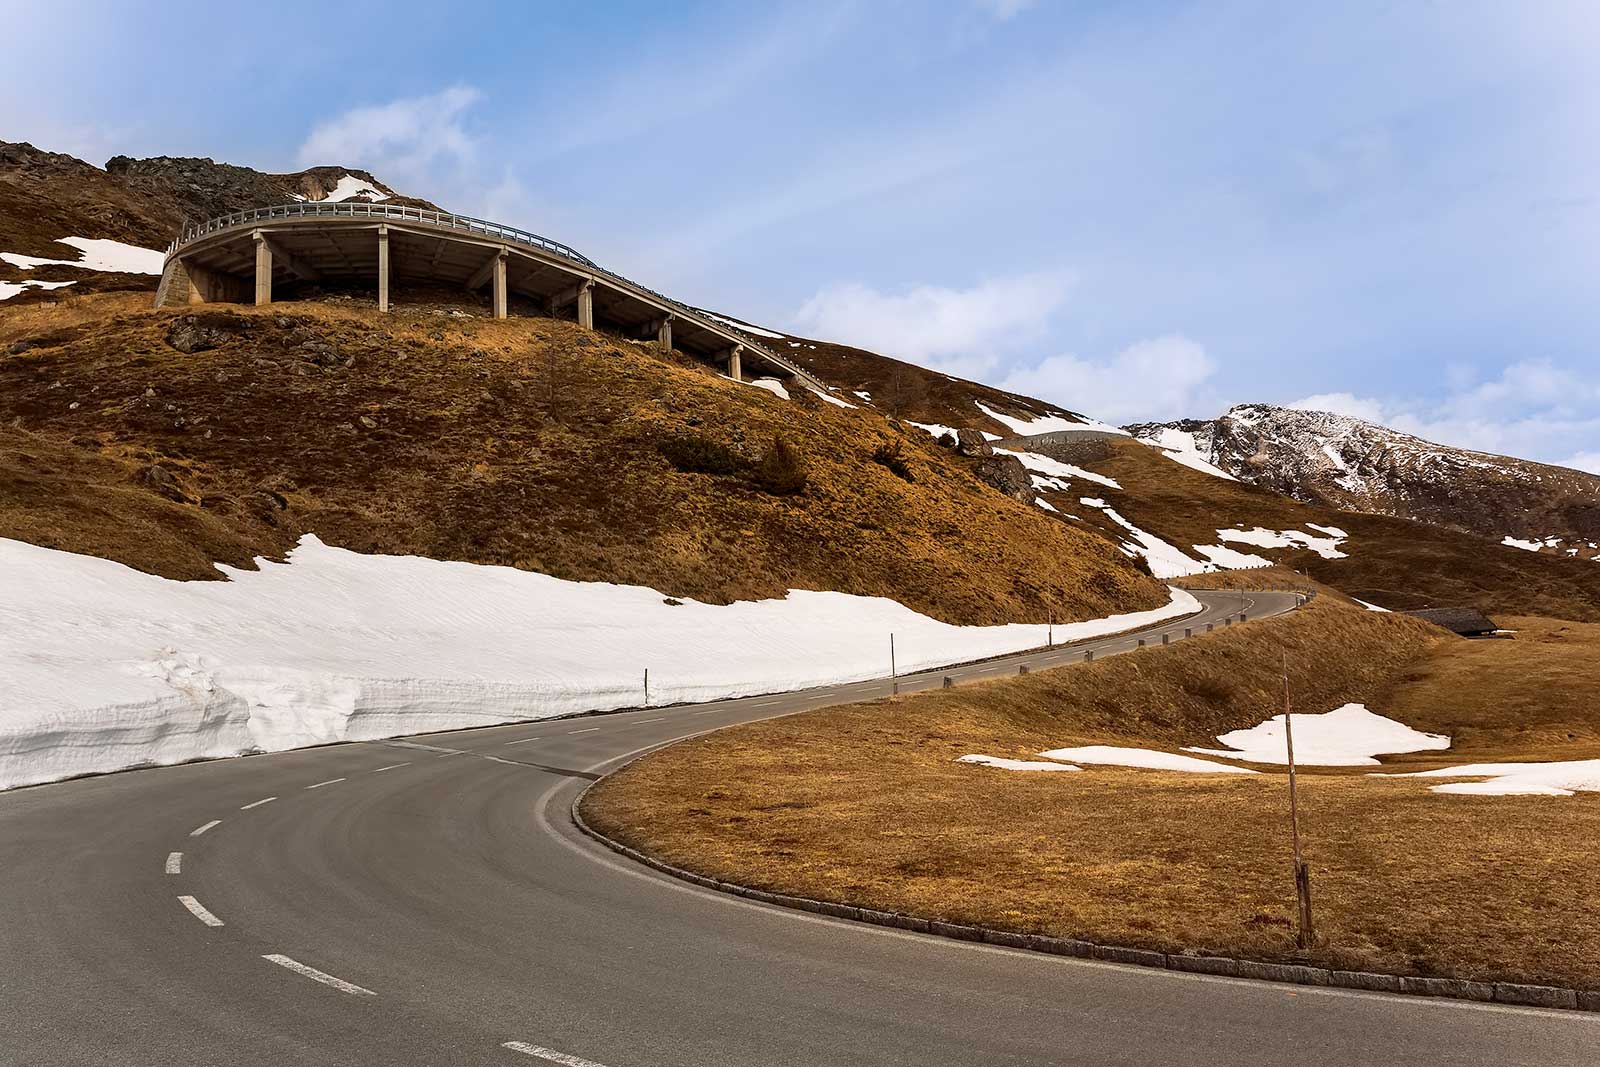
1347	463
1007	474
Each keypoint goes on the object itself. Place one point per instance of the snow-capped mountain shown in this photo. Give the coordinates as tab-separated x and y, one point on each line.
1347	463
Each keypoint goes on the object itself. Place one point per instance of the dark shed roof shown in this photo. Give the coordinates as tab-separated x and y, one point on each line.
1466	621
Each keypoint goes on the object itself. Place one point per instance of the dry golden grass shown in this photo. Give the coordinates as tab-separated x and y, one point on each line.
863	804
526	442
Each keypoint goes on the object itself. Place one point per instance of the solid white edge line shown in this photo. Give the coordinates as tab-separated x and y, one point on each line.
550	1054
258	803
318	976
198	910
174	863
330	781
391	767
198	830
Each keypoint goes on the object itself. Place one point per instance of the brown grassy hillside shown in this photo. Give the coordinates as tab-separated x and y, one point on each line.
528	442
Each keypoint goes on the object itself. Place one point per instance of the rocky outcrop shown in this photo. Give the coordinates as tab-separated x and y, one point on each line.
1007	474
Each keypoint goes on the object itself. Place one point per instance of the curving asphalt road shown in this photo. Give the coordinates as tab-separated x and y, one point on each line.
430	902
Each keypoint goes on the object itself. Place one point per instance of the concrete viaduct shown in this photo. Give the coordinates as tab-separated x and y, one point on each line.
239	258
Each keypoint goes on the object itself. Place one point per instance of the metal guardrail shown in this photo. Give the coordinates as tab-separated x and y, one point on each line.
465	224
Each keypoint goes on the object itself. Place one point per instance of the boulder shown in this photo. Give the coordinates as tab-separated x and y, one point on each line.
1007	474
973	443
188	334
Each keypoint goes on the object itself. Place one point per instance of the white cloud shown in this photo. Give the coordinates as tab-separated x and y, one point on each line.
957	330
1357	407
1005	10
1533	409
1159	378
403	139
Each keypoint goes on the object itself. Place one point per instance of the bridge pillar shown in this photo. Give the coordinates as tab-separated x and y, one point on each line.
733	363
383	268
263	268
500	286
664	332
586	304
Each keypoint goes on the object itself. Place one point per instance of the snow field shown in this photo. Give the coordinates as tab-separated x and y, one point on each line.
104	667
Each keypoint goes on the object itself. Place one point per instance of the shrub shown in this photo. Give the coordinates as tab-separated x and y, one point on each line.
781	472
695	454
888	455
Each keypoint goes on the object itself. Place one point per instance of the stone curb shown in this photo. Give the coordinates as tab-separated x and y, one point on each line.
1535	996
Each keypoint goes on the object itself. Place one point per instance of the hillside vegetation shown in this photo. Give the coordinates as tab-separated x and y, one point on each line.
167	440
1398	563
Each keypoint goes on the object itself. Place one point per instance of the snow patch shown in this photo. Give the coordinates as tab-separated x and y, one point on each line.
830	398
1015	764
1150	759
1165	560
934	428
1326	547
11	289
771	385
349	187
1560	778
97	255
1371	607
1047	423
1179	446
1349	736
1056	469
1230	559
104	667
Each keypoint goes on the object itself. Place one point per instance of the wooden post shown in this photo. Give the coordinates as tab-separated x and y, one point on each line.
1305	933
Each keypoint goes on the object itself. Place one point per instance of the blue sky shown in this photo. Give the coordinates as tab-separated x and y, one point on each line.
1134	210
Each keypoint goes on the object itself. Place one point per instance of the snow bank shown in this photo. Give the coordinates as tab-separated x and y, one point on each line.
1016	764
1555	779
1327	546
1179	446
97	255
1345	737
1116	756
104	667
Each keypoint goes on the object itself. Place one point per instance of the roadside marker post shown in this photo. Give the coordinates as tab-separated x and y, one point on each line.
1305	933
894	674
647	687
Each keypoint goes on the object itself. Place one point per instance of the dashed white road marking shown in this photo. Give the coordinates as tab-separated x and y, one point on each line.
319	976
550	1054
198	910
258	803
391	767
650	720
330	781
198	830
590	730
174	863
522	741
764	703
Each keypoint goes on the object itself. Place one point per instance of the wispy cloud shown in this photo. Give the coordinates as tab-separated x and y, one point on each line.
404	138
1531	409
957	330
1155	379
